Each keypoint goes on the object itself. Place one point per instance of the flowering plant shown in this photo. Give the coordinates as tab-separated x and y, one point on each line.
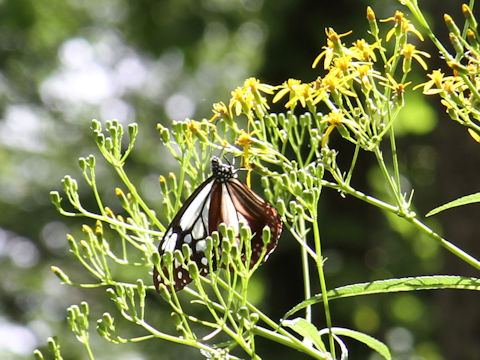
357	93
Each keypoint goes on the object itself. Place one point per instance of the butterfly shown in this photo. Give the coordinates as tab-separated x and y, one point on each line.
222	198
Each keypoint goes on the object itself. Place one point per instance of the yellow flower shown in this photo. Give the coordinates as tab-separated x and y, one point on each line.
439	83
328	53
297	91
403	25
453	84
436	78
248	97
241	101
363	51
199	129
334	45
398	88
221	110
410	52
245	140
336	118
250	145
334	37
255	86
335	82
288	87
365	74
343	63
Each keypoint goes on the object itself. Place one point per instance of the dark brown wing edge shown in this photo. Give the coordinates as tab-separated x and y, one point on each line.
259	213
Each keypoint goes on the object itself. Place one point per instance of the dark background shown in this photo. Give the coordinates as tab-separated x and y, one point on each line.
63	63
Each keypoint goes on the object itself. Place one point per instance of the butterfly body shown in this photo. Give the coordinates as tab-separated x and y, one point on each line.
222	198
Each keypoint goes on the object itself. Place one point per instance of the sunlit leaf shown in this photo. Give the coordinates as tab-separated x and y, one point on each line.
368	340
307	330
464	200
393	286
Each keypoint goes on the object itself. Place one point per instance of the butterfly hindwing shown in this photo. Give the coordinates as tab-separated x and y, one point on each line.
258	213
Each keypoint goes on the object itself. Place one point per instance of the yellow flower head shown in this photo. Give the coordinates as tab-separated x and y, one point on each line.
220	110
398	88
254	85
409	51
334	45
199	129
297	91
288	87
335	117
403	25
434	85
241	101
437	77
365	74
363	51
343	63
333	36
327	53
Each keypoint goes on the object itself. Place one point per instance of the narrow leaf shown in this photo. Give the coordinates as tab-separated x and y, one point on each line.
368	340
307	330
392	286
464	200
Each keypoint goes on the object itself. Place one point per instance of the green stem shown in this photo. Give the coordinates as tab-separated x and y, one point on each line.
306	274
352	165
279	334
89	351
409	217
121	173
174	339
323	285
396	171
109	220
281	339
446	244
393	187
415	10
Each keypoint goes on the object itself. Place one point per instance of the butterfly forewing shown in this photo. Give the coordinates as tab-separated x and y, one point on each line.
220	199
187	227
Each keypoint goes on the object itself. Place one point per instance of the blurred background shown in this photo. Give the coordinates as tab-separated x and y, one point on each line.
64	62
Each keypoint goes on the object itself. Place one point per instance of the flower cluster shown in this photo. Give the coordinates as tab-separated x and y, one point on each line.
459	90
246	99
359	90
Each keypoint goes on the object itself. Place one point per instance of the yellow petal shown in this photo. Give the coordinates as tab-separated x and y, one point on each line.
474	135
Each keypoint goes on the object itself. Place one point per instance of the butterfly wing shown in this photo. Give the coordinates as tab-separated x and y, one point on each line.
257	213
189	226
222	198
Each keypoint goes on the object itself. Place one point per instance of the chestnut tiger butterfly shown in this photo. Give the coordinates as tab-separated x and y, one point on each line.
222	198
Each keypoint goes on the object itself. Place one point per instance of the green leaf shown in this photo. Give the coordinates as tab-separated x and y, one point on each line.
464	200
307	330
392	286
368	340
